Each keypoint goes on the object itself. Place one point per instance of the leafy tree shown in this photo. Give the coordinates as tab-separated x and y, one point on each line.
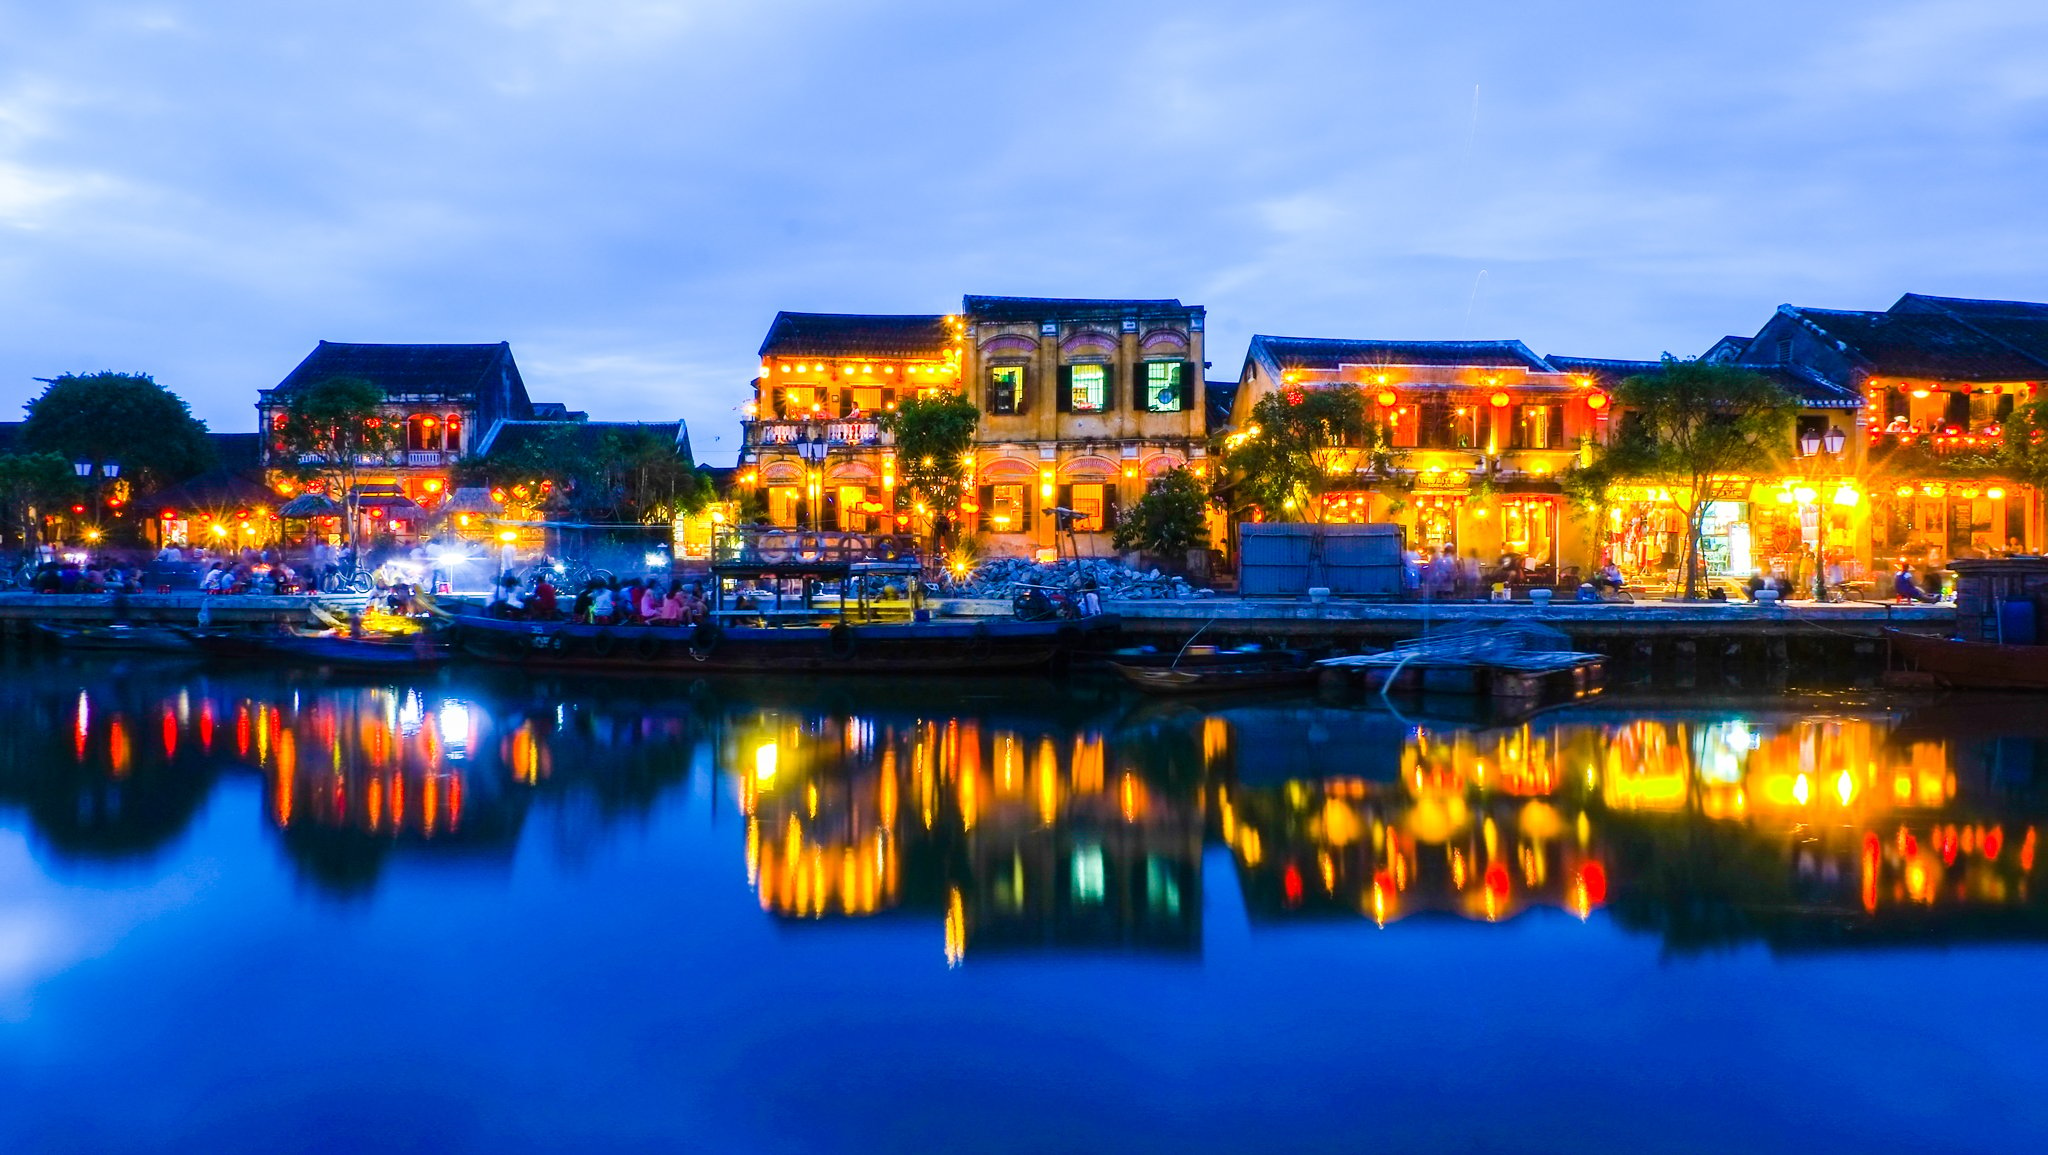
1699	431
653	483
331	429
1281	462
29	484
1170	519
933	435
126	418
2023	453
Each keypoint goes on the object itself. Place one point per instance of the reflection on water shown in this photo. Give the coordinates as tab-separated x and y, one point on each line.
1082	824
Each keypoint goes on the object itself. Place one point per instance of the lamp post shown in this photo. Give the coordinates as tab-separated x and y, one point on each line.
812	448
107	471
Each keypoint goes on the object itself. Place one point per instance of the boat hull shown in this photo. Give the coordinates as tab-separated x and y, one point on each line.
118	639
988	647
1212	680
1974	665
350	653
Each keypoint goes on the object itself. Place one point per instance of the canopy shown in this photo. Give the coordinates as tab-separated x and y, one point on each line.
470	499
309	505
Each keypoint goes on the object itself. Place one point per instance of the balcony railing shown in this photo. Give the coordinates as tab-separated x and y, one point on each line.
751	545
423	457
1946	443
842	431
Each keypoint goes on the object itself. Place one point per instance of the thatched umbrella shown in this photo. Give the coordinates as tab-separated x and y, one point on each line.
310	505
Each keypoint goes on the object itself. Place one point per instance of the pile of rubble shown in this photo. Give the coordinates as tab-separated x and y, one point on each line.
1005	577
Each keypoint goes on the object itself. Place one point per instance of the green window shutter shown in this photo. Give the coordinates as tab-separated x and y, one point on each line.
1140	382
1064	401
1190	386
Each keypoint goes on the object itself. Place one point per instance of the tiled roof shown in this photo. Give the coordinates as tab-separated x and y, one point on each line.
1323	353
1935	338
220	489
457	372
919	335
511	436
1219	397
1606	370
1807	386
238	452
1003	309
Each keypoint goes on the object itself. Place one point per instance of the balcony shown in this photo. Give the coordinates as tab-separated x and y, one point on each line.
852	431
1948	445
428	457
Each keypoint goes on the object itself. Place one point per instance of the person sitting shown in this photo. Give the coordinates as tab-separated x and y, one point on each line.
670	611
542	604
603	604
1908	589
502	593
579	609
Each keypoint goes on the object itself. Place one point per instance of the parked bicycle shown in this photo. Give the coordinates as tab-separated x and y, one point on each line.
346	581
566	574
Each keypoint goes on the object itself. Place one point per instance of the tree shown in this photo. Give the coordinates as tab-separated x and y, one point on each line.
123	418
331	429
2023	453
1281	463
1170	519
933	435
1700	432
29	484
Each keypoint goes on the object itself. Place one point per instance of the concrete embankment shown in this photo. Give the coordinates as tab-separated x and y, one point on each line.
19	611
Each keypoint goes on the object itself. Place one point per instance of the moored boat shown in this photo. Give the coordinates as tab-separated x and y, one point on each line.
1215	677
415	651
986	646
1974	665
118	638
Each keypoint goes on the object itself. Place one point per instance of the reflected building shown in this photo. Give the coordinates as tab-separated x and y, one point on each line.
1022	837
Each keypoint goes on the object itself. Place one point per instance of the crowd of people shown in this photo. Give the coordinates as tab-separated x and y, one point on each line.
603	602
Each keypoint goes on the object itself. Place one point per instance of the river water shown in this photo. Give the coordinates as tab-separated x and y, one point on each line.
264	912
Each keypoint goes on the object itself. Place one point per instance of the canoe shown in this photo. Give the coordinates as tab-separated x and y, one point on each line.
1974	665
1214	678
361	653
986	646
118	638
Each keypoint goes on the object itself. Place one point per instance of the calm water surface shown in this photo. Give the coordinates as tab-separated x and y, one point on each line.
265	912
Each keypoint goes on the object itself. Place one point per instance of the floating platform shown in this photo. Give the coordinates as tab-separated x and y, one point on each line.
1523	661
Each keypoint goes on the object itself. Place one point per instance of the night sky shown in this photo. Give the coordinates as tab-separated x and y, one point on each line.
627	190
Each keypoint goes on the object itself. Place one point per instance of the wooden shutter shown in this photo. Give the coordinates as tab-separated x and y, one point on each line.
1515	438
1023	389
1956	410
985	497
1140	371
1189	395
1064	400
778	401
845	402
1557	426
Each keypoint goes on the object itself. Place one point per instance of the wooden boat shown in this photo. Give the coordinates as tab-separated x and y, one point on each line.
415	651
1974	665
987	646
1215	677
118	638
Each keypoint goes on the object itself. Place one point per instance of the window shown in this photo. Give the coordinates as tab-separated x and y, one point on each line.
451	431
1164	391
867	400
850	503
1089	391
1006	390
1005	507
1539	427
1089	875
1091	501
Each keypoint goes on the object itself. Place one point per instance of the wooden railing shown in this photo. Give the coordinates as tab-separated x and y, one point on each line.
779	545
843	431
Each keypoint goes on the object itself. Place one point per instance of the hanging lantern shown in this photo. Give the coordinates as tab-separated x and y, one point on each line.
1597	401
1387	398
1500	400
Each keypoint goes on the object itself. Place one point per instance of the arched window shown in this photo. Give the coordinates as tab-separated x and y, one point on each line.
422	431
451	431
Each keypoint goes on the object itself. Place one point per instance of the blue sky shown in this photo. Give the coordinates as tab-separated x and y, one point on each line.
627	190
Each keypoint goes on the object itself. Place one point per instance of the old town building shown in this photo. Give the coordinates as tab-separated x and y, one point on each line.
1081	402
1805	502
1936	379
447	397
1478	433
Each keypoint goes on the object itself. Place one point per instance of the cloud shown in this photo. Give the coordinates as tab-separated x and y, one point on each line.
627	190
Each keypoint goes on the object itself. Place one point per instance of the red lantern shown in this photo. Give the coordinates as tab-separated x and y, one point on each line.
1387	398
1500	400
1597	401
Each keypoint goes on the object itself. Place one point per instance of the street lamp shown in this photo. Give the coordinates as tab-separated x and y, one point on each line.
1834	440
1809	443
